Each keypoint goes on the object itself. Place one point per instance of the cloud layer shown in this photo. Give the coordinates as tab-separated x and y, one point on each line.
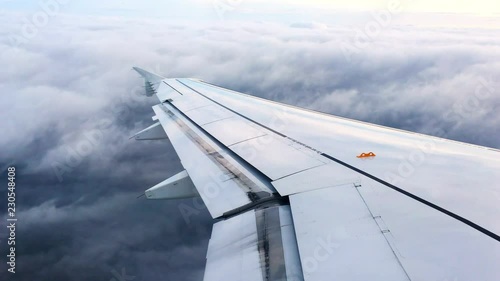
70	102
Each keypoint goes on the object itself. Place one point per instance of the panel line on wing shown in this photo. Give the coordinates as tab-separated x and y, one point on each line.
419	199
383	231
252	190
235	112
195	108
173	88
245	140
340	117
218	120
233	155
411	195
303	170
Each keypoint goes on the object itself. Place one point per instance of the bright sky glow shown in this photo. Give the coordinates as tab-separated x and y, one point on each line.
326	11
486	7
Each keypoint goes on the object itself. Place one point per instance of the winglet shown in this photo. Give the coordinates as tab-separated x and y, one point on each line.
151	81
149	76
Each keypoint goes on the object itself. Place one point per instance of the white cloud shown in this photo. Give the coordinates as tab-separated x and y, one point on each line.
76	72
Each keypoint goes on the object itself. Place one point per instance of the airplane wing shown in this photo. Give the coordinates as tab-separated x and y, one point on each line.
301	195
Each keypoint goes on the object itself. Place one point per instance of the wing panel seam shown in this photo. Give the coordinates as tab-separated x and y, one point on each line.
393	250
419	199
400	190
241	179
237	113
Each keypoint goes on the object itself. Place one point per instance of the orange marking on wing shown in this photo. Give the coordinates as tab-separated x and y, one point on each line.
365	155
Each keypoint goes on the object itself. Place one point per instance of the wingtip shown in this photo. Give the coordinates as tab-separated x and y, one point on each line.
149	76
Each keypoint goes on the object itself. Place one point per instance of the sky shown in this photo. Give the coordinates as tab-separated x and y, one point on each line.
67	84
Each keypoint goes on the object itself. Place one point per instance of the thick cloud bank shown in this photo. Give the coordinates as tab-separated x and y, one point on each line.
70	102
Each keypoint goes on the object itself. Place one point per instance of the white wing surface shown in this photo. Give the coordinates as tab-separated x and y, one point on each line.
301	195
